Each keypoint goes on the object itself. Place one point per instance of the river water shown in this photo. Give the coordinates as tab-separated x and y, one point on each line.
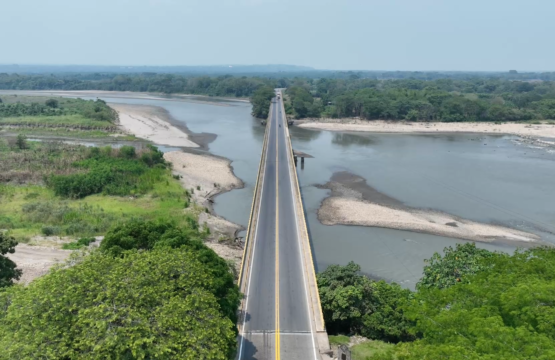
490	179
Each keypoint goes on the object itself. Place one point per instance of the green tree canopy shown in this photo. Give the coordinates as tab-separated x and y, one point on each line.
505	311
147	235
353	303
143	305
261	100
455	265
8	269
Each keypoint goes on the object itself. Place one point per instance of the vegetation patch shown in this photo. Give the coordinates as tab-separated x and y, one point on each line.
141	305
470	304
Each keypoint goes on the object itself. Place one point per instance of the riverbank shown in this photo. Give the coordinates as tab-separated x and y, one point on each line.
206	176
381	126
151	123
353	202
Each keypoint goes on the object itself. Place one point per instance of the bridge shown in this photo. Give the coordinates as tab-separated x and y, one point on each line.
280	315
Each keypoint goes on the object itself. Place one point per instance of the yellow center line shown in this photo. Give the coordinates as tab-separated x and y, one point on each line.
277	241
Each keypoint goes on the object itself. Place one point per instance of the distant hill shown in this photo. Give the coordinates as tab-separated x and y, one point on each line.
216	69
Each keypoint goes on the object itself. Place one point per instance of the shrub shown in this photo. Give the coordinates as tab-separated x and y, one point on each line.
127	152
53	103
50	230
122	176
79	243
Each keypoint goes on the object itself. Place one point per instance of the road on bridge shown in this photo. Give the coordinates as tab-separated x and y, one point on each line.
278	321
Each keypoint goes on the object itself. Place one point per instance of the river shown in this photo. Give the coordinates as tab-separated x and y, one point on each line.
490	179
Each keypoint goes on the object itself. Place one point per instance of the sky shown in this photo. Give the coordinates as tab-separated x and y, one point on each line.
465	35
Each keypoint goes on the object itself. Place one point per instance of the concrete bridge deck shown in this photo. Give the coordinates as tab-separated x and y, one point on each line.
280	314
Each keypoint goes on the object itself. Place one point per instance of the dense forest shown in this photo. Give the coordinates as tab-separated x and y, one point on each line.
436	100
25	106
470	304
477	98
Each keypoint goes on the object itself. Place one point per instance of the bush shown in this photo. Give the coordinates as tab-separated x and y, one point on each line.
122	176
79	243
53	103
143	305
50	230
127	152
147	235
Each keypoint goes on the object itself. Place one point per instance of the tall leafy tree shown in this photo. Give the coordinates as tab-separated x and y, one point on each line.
8	269
156	304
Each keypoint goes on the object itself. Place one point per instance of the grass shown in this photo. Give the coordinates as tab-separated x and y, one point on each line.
71	121
65	133
367	350
25	211
338	340
363	351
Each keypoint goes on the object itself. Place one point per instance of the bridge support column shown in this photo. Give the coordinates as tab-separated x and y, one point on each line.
294	157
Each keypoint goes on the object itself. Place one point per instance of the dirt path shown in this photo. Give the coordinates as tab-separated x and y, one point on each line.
35	261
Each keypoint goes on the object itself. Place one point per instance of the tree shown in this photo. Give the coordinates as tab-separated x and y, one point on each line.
52	103
148	235
144	305
261	100
455	265
8	269
505	311
352	303
21	142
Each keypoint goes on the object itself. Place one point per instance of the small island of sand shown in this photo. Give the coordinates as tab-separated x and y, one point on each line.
353	202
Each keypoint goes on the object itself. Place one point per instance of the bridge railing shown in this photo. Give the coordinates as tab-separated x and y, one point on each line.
312	284
255	208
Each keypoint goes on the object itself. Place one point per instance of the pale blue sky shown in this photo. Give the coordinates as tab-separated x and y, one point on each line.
348	34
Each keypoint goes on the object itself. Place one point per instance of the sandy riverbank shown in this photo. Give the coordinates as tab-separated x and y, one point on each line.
353	202
380	126
212	175
147	122
36	261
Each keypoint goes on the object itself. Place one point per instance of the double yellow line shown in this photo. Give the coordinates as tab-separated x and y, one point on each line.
278	345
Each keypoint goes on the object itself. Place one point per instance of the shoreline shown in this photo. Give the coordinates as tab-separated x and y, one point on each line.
131	95
353	202
205	176
404	127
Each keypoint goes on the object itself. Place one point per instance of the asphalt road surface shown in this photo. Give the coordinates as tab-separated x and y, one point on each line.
278	324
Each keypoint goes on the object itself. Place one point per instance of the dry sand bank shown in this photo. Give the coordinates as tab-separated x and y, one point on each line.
380	126
213	175
147	122
353	202
200	99
35	261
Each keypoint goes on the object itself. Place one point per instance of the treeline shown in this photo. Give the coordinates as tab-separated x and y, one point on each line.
470	304
507	98
150	82
90	109
437	100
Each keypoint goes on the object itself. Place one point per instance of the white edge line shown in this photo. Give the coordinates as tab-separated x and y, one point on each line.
300	249
252	259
